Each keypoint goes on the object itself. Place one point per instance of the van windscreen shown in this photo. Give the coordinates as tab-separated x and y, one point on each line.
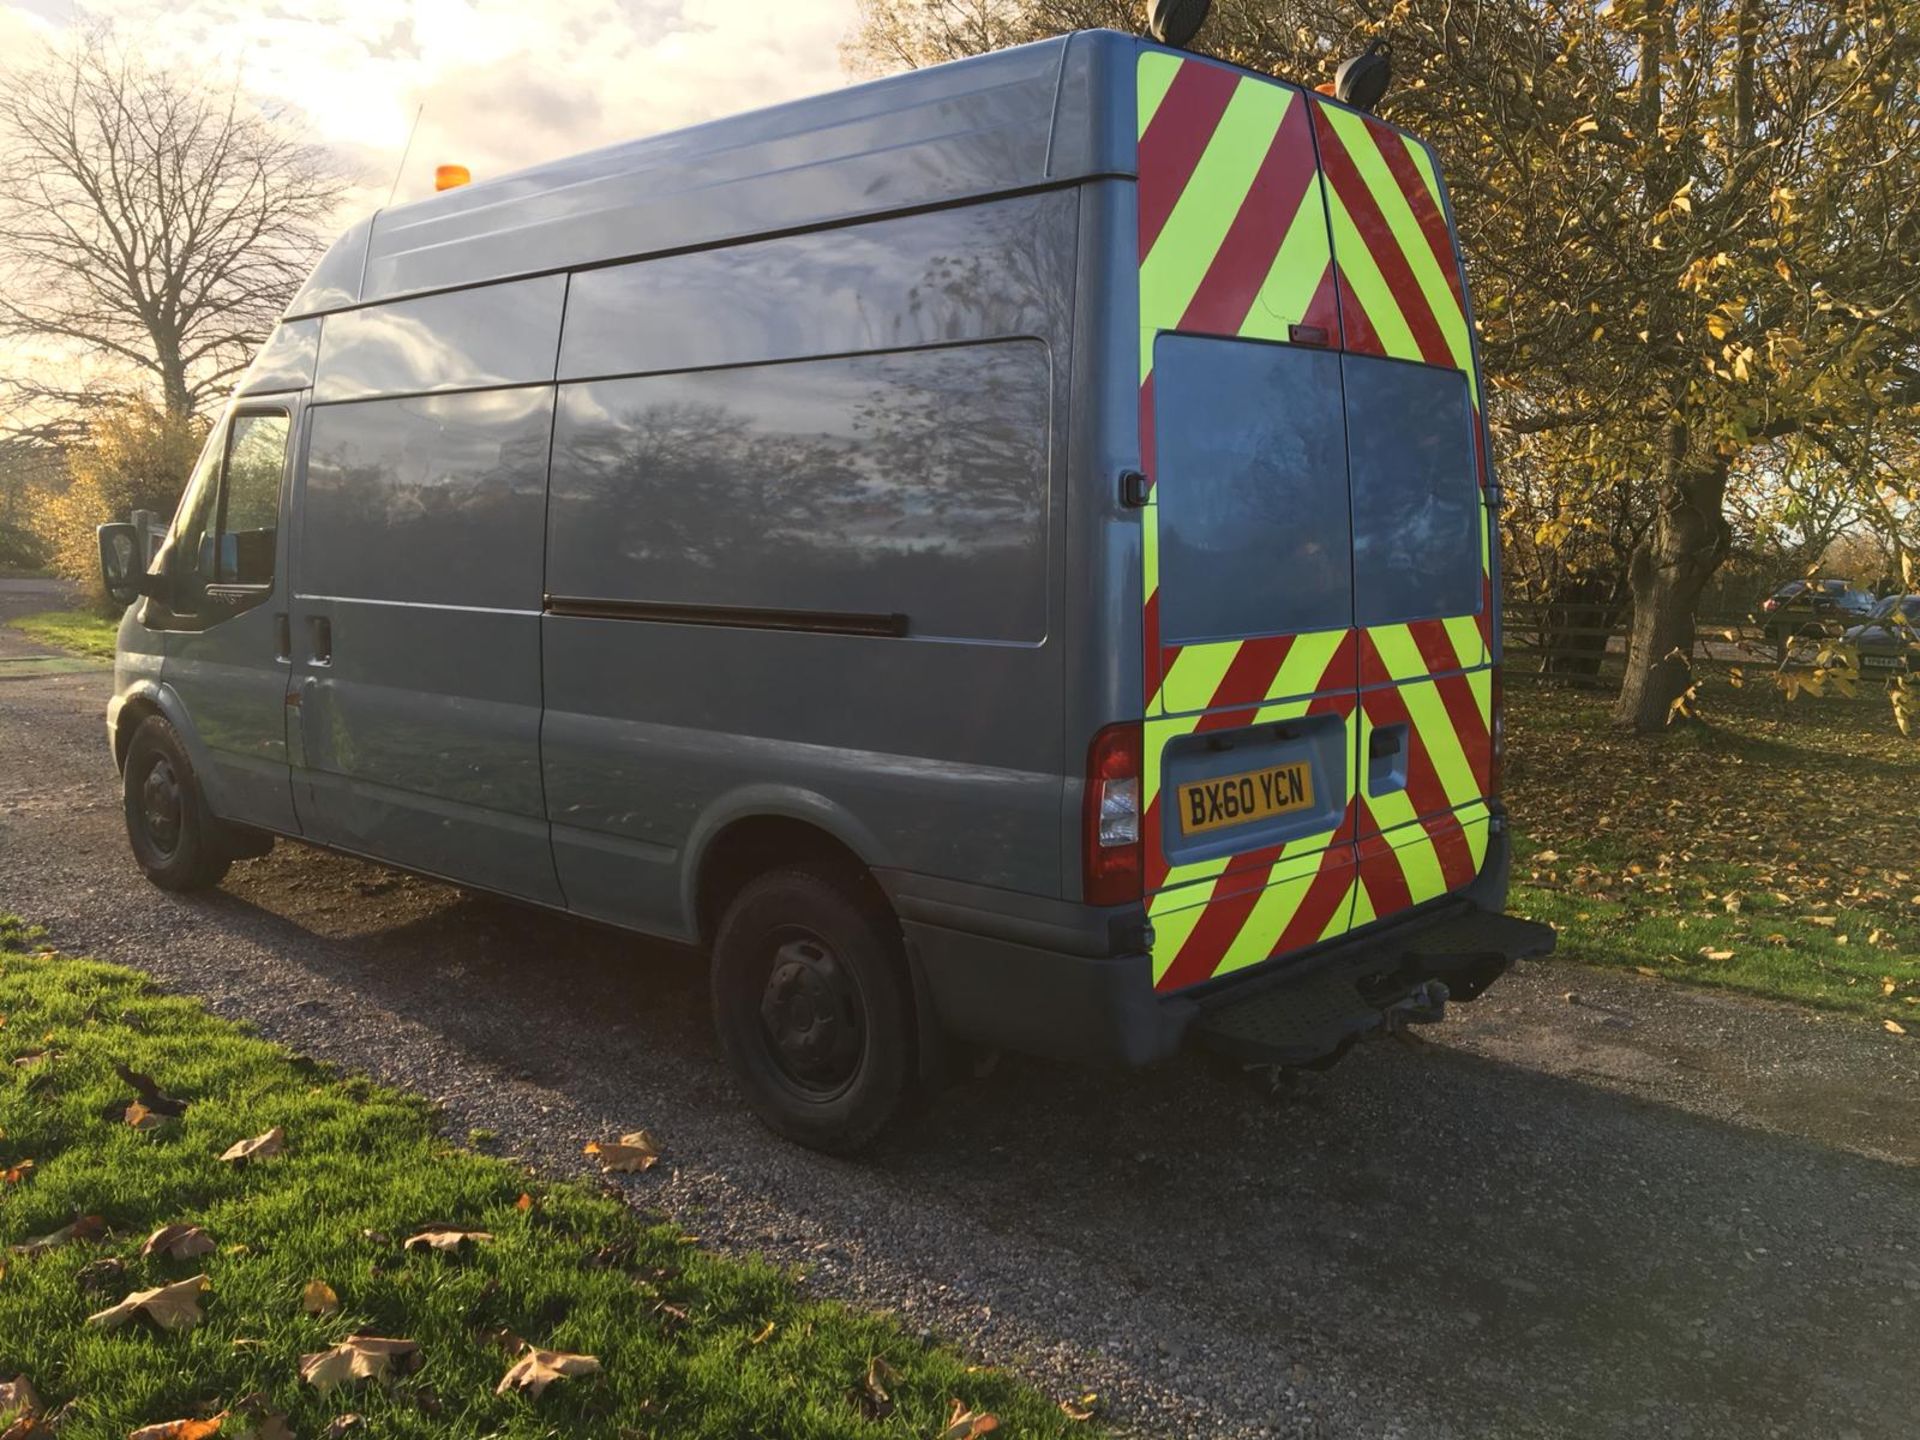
1251	481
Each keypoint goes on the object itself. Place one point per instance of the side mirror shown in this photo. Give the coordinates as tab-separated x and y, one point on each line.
122	565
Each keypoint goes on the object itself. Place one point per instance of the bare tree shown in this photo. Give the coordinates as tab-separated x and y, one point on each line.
148	219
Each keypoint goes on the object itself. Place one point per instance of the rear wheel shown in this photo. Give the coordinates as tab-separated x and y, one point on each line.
814	1009
176	842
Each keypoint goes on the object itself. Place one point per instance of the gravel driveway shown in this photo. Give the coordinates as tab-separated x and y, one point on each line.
1638	1211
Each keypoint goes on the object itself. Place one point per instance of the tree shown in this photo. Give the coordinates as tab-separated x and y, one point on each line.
1690	227
135	456
147	218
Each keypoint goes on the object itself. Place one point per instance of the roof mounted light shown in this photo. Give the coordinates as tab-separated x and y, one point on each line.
451	177
1361	81
1175	22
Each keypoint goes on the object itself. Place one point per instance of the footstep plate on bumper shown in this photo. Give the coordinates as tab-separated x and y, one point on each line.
1374	986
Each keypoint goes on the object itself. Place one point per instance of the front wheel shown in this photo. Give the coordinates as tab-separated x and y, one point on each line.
174	839
814	1008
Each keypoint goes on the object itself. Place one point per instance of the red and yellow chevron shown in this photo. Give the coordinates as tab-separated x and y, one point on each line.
1262	209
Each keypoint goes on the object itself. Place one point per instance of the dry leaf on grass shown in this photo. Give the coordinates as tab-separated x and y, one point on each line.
536	1369
258	1148
150	1094
445	1237
181	1429
1894	1027
1081	1409
82	1227
317	1298
965	1424
141	1118
872	1398
19	1406
171	1307
763	1334
357	1358
14	1174
632	1152
254	1419
179	1242
341	1424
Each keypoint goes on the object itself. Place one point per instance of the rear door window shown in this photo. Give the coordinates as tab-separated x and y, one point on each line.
1251	483
1416	498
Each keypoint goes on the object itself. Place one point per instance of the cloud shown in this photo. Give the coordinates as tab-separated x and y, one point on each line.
499	84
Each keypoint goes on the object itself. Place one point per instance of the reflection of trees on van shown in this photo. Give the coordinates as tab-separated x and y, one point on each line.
407	499
912	482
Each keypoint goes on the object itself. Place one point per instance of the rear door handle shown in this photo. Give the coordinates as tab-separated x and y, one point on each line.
320	639
282	638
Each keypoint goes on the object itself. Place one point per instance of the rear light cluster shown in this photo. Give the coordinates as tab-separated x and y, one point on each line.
1110	818
1497	731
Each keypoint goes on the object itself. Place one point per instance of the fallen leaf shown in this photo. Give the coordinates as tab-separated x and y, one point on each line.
536	1369
141	1118
1546	857
341	1424
254	1419
965	1424
357	1358
19	1406
1712	954
763	1334
872	1398
181	1429
82	1227
1894	1027
445	1237
179	1242
317	1298
258	1148
525	1202
1648	971
171	1307
151	1095
1821	919
1081	1409
632	1152
16	1173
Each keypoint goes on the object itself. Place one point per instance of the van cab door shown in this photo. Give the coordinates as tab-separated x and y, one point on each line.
225	614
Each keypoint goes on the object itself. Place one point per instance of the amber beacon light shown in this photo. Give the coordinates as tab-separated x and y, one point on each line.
451	177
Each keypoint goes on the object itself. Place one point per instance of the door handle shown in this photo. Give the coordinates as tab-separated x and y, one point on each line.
282	638
320	639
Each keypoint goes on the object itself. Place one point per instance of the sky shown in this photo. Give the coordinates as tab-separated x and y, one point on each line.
498	84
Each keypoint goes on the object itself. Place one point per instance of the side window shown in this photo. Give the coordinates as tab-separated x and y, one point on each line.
193	521
250	499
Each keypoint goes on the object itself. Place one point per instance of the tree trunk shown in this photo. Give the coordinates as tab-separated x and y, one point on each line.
1670	568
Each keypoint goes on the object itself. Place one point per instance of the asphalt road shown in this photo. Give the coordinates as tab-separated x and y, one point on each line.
1640	1211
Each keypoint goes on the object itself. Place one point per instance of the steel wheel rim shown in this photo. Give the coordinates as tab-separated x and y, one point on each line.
812	1017
161	805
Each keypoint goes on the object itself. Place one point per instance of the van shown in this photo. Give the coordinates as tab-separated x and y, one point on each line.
1002	557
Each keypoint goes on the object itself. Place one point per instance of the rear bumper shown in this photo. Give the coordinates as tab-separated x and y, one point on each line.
1039	1000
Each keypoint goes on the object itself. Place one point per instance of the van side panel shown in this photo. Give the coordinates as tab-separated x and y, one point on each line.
857	427
418	570
1426	682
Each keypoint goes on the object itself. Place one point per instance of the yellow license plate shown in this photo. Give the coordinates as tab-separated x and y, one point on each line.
1236	799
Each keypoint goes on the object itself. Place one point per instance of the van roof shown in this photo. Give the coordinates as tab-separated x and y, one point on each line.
1048	113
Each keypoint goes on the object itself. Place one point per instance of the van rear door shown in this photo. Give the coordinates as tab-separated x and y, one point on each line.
1251	671
1423	519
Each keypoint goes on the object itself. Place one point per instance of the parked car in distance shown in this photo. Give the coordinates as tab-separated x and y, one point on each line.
1888	640
1812	607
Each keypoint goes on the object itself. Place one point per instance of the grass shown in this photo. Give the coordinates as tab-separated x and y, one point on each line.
80	631
690	1344
1769	850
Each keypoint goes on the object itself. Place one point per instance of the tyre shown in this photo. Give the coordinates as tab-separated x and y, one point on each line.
175	841
814	1008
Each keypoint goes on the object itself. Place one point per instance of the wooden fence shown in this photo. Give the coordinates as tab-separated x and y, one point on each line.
1574	644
